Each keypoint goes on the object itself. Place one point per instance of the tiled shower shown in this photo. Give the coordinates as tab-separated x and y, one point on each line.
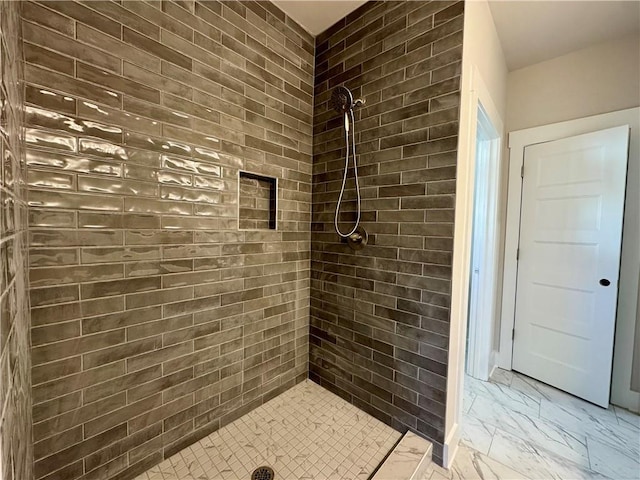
380	317
170	291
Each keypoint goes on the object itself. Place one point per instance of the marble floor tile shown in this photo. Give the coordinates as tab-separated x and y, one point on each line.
467	400
570	403
504	377
531	387
470	464
499	413
565	437
534	462
474	465
595	425
477	434
580	410
613	462
437	476
534	430
504	395
619	437
305	433
627	418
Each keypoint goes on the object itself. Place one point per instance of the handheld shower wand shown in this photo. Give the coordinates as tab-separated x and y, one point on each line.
343	102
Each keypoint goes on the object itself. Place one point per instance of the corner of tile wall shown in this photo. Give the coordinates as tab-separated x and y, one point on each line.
155	319
16	447
379	328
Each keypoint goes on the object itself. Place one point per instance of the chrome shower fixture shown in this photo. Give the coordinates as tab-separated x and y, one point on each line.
342	102
341	99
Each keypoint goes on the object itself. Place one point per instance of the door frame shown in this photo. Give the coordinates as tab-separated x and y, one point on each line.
474	91
517	141
480	355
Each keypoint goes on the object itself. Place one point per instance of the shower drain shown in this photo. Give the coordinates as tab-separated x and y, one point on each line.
262	473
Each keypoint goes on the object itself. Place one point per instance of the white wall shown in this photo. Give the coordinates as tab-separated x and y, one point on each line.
599	79
484	79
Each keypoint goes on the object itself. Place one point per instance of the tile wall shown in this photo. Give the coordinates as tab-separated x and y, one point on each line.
380	316
16	456
155	319
257	207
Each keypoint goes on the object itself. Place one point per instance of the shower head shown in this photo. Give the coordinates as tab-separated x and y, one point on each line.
341	99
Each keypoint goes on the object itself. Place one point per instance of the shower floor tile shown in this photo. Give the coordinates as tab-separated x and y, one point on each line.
305	433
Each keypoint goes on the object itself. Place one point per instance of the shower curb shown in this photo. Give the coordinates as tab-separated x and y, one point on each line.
407	461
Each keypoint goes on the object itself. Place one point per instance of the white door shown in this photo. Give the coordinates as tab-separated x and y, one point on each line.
573	193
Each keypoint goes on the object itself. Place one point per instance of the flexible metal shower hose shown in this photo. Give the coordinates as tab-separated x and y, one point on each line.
344	177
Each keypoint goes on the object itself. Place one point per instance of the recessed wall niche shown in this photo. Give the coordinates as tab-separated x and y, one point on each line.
257	201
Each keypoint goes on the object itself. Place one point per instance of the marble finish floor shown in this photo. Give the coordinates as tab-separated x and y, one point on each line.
517	427
305	433
470	464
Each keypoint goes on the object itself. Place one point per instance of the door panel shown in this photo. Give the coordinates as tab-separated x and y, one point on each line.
572	213
570	235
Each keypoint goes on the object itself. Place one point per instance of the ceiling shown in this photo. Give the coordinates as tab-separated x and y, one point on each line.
534	31
317	15
529	31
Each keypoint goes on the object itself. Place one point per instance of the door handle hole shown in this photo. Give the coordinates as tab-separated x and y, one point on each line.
604	282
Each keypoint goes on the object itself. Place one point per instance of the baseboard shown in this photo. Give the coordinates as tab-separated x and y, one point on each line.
493	362
502	360
450	447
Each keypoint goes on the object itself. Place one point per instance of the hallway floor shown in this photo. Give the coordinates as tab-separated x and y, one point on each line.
515	422
305	433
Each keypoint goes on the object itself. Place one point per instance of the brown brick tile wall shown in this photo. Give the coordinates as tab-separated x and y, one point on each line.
255	203
155	320
380	316
16	453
